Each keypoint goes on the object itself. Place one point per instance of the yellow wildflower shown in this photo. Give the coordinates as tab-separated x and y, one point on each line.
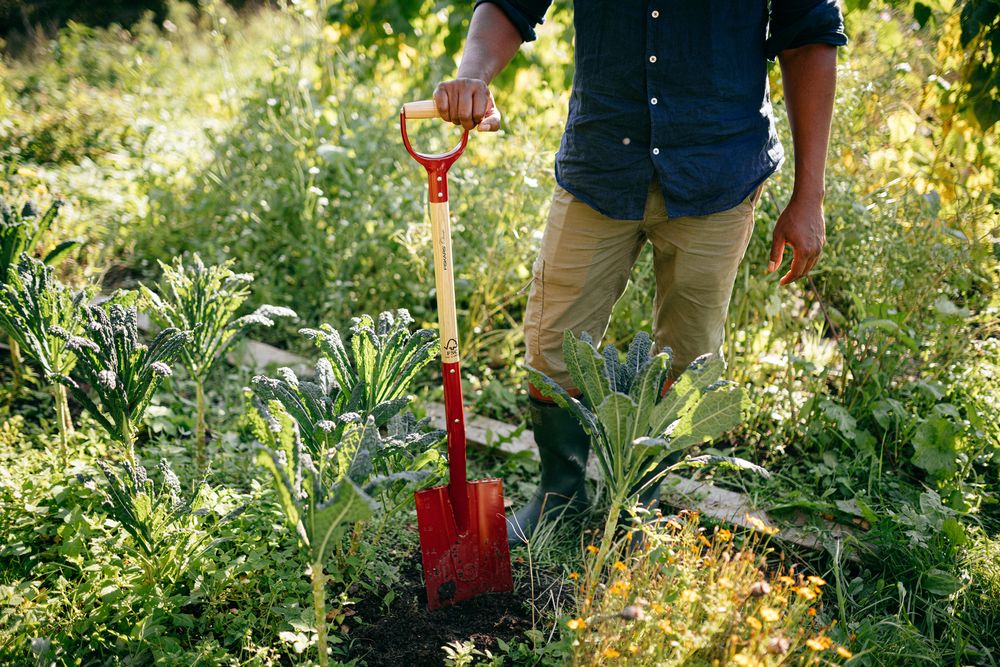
618	588
786	580
620	566
769	615
725	535
574	576
576	624
754	623
664	625
633	648
817	581
592	549
657	607
610	653
806	592
689	596
811	611
814	645
704	540
844	653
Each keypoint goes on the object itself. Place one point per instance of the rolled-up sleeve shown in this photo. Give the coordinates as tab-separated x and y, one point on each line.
796	23
524	14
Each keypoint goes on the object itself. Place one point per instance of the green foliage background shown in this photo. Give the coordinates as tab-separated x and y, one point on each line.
271	139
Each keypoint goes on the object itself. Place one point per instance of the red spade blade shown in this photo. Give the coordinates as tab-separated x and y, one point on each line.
461	566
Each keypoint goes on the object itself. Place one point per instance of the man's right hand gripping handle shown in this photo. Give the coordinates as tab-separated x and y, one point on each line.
467	102
492	42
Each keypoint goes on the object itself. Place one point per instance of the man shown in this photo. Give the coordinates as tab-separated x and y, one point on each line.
669	139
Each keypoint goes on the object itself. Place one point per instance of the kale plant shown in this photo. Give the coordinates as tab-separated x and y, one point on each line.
204	300
385	358
634	425
166	534
322	414
323	492
20	232
336	442
315	405
115	374
32	303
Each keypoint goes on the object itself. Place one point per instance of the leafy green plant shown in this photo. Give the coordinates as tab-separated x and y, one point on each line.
323	414
204	300
116	374
20	232
634	425
32	302
320	492
385	358
325	442
164	527
315	405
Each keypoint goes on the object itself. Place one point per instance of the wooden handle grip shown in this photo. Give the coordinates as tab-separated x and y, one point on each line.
420	109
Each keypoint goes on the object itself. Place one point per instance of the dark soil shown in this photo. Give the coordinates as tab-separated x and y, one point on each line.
407	634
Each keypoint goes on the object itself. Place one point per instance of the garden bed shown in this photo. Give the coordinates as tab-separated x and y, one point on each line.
406	633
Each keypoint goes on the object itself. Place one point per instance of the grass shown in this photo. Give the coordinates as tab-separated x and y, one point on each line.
270	138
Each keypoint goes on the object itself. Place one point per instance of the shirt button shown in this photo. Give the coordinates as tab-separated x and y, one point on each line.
652	59
656	151
655	14
653	101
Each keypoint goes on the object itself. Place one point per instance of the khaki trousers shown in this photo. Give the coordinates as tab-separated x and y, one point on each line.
586	260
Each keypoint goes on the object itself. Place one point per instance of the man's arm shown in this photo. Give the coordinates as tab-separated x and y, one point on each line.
493	40
809	77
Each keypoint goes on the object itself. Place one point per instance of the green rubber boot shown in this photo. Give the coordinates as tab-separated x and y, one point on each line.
563	447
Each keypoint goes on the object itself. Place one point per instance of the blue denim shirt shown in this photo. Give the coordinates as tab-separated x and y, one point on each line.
675	88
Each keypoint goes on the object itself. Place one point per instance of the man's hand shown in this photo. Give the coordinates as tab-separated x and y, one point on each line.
801	226
467	102
809	74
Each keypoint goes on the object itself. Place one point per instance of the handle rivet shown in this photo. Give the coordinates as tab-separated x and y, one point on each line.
452	371
457	420
440	194
440	179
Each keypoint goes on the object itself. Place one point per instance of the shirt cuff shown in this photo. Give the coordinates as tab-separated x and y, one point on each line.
821	25
521	21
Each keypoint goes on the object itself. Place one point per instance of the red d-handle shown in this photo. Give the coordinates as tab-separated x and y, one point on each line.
437	166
